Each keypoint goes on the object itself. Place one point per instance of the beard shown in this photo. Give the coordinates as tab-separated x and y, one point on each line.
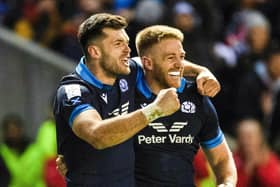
111	65
161	80
108	68
164	80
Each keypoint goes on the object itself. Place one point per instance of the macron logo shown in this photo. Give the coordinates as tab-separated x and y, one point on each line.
104	97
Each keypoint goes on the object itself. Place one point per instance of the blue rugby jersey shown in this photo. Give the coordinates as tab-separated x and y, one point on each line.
81	91
164	150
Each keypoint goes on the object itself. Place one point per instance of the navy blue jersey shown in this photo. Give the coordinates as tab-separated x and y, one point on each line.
81	91
166	148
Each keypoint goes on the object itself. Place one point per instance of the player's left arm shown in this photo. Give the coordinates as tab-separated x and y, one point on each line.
207	84
221	161
216	148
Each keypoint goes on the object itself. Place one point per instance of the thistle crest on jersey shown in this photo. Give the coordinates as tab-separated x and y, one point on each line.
123	85
188	107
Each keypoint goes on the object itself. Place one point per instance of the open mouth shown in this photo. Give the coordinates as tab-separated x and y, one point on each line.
125	61
174	73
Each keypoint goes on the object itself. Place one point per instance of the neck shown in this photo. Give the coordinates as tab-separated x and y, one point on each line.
100	73
153	84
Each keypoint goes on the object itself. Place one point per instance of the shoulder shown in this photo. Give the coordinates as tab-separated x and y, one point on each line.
188	85
70	91
136	70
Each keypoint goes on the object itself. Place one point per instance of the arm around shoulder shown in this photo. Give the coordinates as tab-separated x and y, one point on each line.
207	84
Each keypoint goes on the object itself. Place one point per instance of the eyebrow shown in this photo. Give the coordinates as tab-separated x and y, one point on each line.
172	53
120	40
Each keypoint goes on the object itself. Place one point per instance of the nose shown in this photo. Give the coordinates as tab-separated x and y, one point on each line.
127	48
179	63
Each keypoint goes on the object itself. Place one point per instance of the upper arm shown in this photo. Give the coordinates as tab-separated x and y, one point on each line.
85	123
76	108
218	154
212	137
222	163
210	134
191	69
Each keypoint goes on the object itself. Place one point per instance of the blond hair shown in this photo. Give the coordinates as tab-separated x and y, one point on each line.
152	35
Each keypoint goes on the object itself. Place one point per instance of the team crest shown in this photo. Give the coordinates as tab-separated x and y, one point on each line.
123	85
188	107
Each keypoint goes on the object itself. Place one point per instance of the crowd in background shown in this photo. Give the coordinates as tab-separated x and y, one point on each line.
238	40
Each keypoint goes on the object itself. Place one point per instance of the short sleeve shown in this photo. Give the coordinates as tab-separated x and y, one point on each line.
136	66
73	99
211	134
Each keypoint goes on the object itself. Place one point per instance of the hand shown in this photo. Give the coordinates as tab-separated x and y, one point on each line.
207	84
61	165
167	101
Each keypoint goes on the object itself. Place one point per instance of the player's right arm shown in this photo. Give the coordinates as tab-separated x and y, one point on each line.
103	133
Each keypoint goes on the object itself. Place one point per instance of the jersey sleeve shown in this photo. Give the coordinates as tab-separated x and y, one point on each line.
211	134
73	100
136	66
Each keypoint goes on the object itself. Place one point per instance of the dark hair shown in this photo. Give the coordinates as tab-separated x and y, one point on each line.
272	50
11	119
92	28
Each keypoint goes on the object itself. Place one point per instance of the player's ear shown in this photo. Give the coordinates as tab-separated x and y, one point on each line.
147	63
94	51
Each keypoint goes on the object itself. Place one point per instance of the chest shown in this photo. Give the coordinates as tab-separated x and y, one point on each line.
182	127
117	100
